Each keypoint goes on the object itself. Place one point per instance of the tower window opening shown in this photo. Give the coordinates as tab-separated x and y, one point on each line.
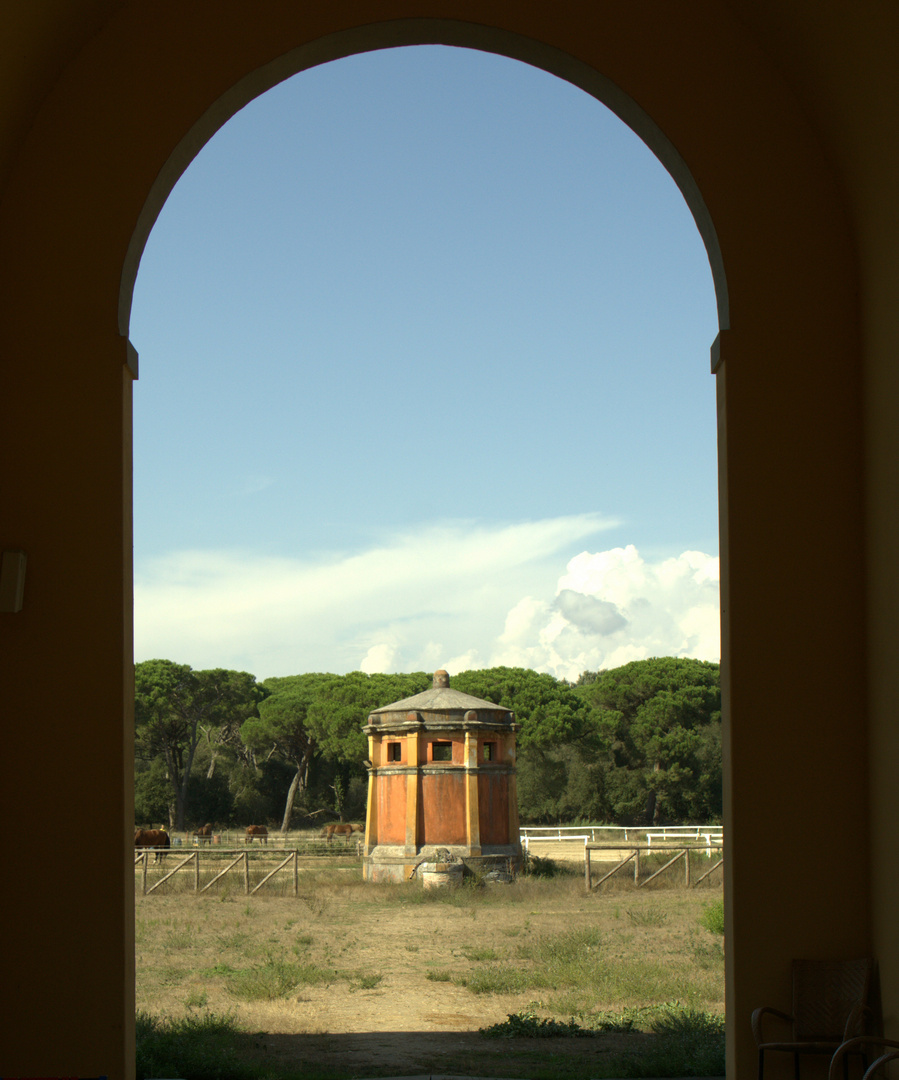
441	751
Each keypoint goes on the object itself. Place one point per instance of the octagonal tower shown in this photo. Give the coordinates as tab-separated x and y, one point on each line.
441	775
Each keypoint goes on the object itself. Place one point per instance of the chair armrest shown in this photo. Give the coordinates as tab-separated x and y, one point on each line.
757	1020
856	1046
879	1063
855	1021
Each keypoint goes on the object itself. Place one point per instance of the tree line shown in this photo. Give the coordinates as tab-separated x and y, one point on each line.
637	744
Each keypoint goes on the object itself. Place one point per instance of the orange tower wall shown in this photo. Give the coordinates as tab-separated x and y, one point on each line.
442	809
391	809
493	808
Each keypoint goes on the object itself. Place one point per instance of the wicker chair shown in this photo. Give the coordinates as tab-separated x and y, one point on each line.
830	1006
859	1045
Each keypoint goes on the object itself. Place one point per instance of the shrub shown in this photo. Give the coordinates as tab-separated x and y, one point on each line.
538	867
526	1025
274	979
651	915
201	1047
712	917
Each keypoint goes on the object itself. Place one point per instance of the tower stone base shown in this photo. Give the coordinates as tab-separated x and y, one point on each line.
391	863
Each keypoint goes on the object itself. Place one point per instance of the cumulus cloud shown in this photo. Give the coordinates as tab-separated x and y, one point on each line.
589	613
612	607
452	595
408	603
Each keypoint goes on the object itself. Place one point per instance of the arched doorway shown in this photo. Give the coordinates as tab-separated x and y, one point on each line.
195	280
76	201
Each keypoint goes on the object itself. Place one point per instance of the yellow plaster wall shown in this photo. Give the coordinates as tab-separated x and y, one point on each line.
786	117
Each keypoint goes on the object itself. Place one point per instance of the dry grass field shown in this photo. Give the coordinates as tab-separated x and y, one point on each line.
356	980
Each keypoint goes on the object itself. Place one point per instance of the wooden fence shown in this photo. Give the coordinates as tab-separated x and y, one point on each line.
237	860
631	854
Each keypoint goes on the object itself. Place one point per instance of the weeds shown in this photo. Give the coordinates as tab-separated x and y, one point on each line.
182	938
365	981
201	1047
673	1019
272	980
501	980
685	1042
528	1026
480	953
651	915
712	917
539	867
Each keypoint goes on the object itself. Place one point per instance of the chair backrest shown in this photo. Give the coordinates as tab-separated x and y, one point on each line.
824	994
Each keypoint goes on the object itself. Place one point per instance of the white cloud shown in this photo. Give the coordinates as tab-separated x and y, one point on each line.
407	603
379	658
612	607
451	595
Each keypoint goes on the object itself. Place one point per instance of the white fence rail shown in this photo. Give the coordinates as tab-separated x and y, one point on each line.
712	834
526	840
713	839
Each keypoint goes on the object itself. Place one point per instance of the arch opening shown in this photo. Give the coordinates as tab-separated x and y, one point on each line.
800	453
719	305
407	32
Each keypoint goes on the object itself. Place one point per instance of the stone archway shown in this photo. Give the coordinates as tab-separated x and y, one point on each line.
110	134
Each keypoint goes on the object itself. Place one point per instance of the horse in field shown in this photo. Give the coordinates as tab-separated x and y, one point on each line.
204	834
341	828
157	839
257	832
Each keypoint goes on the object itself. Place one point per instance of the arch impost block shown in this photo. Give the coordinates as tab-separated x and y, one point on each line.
715	353
131	360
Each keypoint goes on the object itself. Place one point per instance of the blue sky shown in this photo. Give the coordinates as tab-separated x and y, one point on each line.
424	340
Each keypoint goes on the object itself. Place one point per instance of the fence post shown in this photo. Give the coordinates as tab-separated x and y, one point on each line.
145	873
197	870
687	868
246	872
637	867
587	867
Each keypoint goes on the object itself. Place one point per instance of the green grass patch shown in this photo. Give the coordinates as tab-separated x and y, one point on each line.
712	917
272	980
479	953
201	1047
683	1041
538	867
502	980
651	915
528	1026
362	980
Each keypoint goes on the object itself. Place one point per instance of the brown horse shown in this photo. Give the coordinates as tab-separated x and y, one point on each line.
204	834
341	828
257	832
157	839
